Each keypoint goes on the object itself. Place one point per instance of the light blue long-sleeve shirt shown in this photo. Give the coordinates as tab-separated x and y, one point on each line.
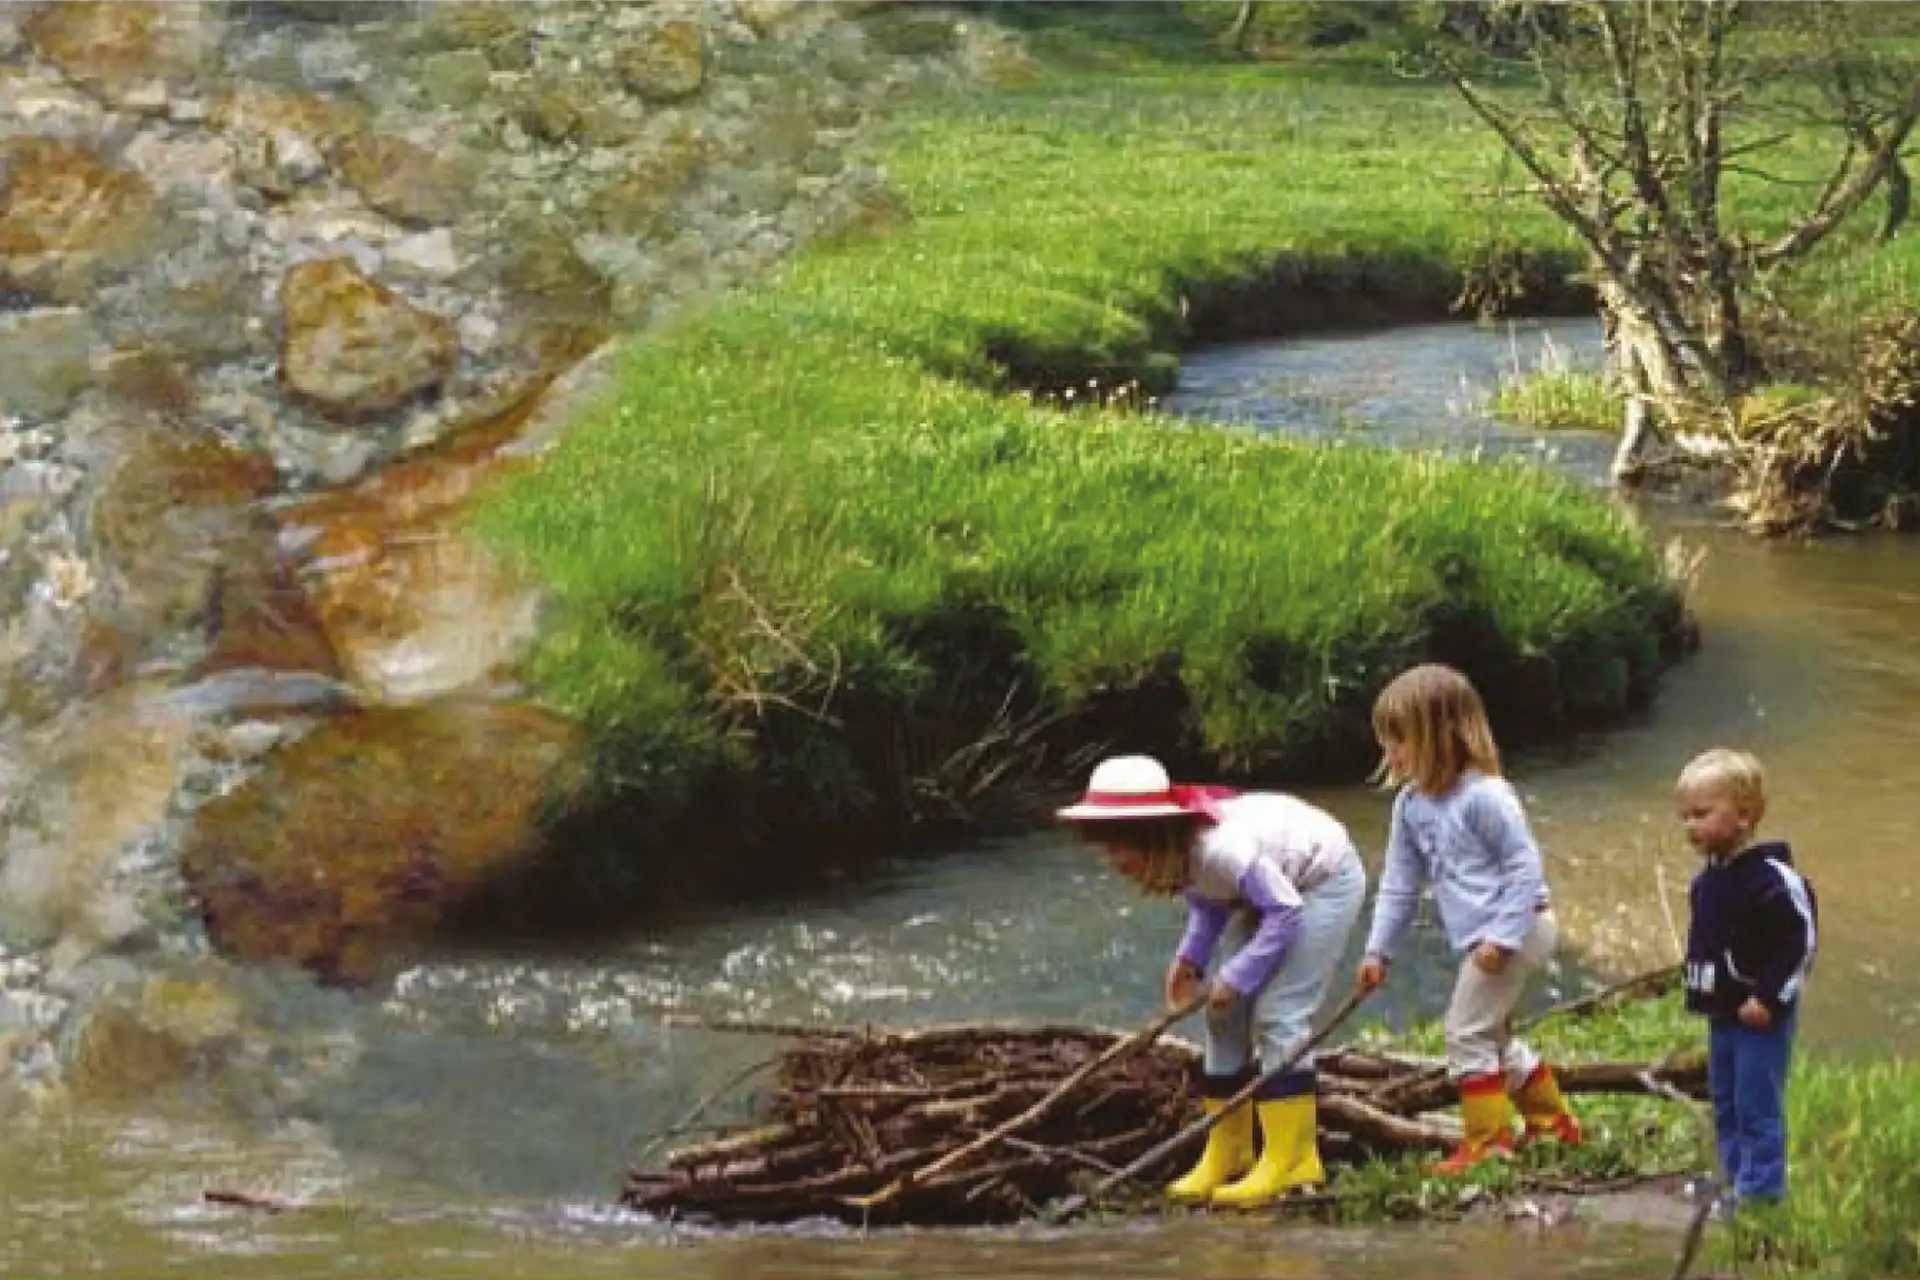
1474	847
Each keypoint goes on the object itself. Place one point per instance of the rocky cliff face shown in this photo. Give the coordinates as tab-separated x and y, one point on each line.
281	286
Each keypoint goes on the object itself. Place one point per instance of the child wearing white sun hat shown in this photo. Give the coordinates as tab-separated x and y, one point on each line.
1272	882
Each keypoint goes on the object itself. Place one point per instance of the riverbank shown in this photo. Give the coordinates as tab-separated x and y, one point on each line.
842	551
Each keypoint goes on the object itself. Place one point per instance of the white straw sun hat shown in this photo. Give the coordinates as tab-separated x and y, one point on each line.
1126	787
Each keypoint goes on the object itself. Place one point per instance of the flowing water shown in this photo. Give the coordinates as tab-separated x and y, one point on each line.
472	1118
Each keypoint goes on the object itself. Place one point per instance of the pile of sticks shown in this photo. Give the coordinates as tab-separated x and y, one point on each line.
985	1124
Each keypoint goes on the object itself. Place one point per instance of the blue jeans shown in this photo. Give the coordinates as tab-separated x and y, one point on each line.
1279	1018
1748	1073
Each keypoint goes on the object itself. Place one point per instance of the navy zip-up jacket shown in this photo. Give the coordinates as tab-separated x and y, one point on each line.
1753	934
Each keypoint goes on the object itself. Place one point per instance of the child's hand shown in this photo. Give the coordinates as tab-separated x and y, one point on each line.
1755	1015
1183	984
1373	972
1489	958
1221	998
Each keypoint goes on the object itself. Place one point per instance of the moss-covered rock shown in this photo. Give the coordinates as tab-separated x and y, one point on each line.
68	220
353	844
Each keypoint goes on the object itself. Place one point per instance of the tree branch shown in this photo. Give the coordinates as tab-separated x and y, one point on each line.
1850	193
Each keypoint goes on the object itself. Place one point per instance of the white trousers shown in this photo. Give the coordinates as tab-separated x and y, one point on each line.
1479	1041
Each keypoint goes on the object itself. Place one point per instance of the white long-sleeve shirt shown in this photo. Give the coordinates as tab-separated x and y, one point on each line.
1474	846
1264	851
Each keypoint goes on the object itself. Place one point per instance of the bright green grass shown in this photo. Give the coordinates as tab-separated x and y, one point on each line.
764	549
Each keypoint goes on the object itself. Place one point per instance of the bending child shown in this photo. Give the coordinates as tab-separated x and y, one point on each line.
1750	944
1458	825
1276	883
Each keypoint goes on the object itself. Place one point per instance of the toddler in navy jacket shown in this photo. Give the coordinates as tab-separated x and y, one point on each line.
1749	947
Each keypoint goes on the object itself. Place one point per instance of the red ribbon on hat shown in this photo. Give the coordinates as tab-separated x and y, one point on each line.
1202	800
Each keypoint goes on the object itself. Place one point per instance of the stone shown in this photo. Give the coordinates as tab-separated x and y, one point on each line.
406	182
430	254
639	199
548	114
548	278
665	64
325	121
468	24
203	318
355	348
454	79
349	847
46	357
166	1035
128	51
278	162
174	518
149	380
68	220
414	607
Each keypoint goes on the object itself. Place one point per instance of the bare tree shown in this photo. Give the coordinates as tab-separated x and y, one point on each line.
1637	114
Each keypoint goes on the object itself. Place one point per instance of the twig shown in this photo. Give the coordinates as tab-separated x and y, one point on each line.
1068	1208
1666	908
1063	1153
959	1155
687	1121
786	1030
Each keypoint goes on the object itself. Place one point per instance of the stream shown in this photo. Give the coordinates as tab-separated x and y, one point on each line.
472	1117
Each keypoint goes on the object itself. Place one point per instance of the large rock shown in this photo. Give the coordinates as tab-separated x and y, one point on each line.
355	348
667	63
353	843
68	220
179	524
414	608
127	52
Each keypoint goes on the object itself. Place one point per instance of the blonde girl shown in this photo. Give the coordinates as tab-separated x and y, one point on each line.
1274	884
1459	826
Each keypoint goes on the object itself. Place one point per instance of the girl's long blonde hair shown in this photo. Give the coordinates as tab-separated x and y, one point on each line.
1437	713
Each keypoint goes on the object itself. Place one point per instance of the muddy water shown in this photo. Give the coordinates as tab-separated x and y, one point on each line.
472	1118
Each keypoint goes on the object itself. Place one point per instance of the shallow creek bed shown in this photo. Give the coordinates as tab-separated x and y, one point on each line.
978	1124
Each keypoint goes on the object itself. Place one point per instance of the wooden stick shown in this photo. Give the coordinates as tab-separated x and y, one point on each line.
1073	1205
700	1108
966	1151
785	1030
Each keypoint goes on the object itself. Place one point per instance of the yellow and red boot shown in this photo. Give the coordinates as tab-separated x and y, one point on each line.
1487	1116
1545	1109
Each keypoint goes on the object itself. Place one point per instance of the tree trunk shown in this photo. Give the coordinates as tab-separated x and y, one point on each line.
1242	23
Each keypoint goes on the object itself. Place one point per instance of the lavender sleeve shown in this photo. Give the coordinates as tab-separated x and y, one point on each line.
1268	892
1206	919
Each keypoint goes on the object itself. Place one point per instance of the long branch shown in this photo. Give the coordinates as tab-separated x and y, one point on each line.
1831	213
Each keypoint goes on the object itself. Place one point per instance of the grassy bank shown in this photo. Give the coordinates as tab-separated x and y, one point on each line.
1853	1128
827	557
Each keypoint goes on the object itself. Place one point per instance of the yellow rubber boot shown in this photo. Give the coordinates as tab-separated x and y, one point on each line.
1290	1157
1487	1115
1229	1154
1545	1109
